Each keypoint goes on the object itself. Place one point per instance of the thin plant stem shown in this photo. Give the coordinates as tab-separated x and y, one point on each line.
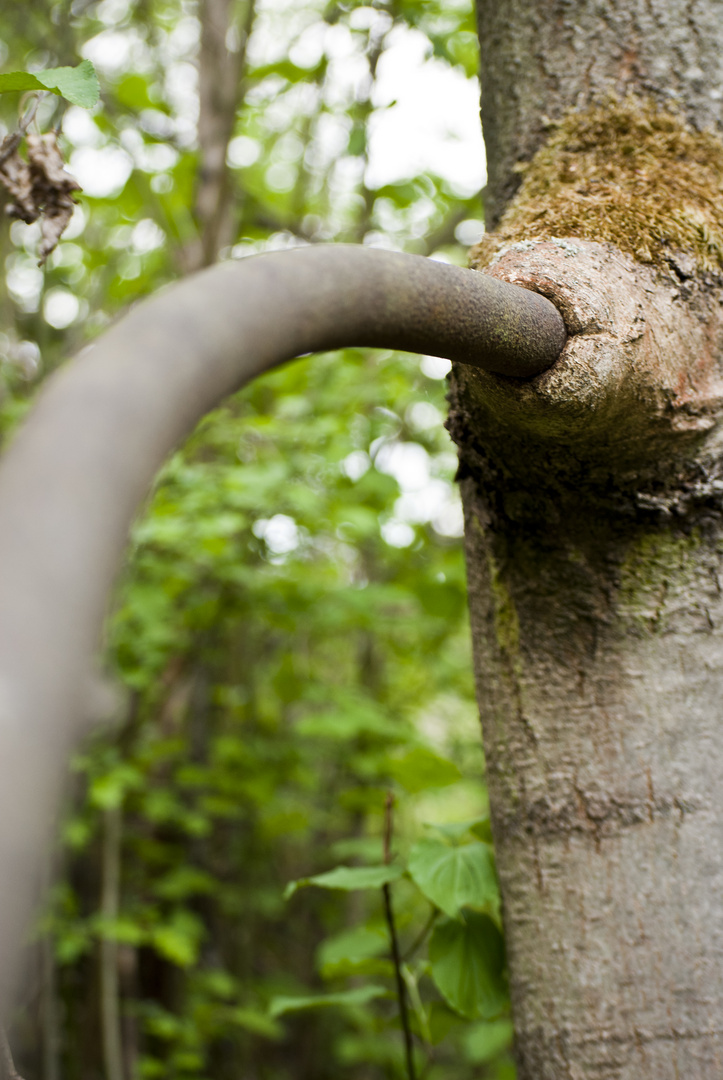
27	120
411	983
109	904
12	142
394	942
419	940
49	1010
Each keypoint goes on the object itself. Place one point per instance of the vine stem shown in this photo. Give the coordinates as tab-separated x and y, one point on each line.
394	941
420	939
109	989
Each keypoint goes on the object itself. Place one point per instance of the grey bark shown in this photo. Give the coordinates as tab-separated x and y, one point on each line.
594	539
10	1071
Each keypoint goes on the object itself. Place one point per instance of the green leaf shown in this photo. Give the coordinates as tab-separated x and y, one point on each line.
12	81
180	939
454	877
108	791
350	948
348	878
441	1021
78	85
361	995
354	714
183	881
421	768
257	1023
485	1041
71	944
122	929
467	962
455	830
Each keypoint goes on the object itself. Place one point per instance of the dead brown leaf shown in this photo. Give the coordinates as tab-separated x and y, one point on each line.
40	187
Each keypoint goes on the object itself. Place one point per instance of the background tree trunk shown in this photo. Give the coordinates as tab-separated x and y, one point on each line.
595	589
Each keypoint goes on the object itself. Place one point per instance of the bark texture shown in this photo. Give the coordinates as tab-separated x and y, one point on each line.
594	541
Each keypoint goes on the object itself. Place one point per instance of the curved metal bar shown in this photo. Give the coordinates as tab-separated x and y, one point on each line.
77	471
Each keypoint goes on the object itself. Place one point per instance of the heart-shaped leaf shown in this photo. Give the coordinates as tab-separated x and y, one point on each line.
467	959
455	877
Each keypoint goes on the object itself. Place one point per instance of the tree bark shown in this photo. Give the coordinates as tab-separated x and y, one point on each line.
594	538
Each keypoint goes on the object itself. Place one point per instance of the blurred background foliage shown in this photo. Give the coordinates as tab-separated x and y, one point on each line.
289	640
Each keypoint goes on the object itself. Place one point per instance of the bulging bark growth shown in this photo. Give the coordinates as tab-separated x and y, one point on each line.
594	536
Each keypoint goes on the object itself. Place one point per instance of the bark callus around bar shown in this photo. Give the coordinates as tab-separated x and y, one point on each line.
619	222
629	412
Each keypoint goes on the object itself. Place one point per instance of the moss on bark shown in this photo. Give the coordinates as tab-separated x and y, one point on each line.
627	172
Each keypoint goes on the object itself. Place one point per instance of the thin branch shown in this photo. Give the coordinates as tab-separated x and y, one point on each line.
394	942
221	92
421	936
11	1073
32	111
11	142
109	989
9	145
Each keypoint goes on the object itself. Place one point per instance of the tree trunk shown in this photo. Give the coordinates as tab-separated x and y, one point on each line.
594	536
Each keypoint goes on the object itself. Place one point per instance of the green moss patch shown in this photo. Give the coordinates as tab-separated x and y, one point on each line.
657	575
507	626
625	172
